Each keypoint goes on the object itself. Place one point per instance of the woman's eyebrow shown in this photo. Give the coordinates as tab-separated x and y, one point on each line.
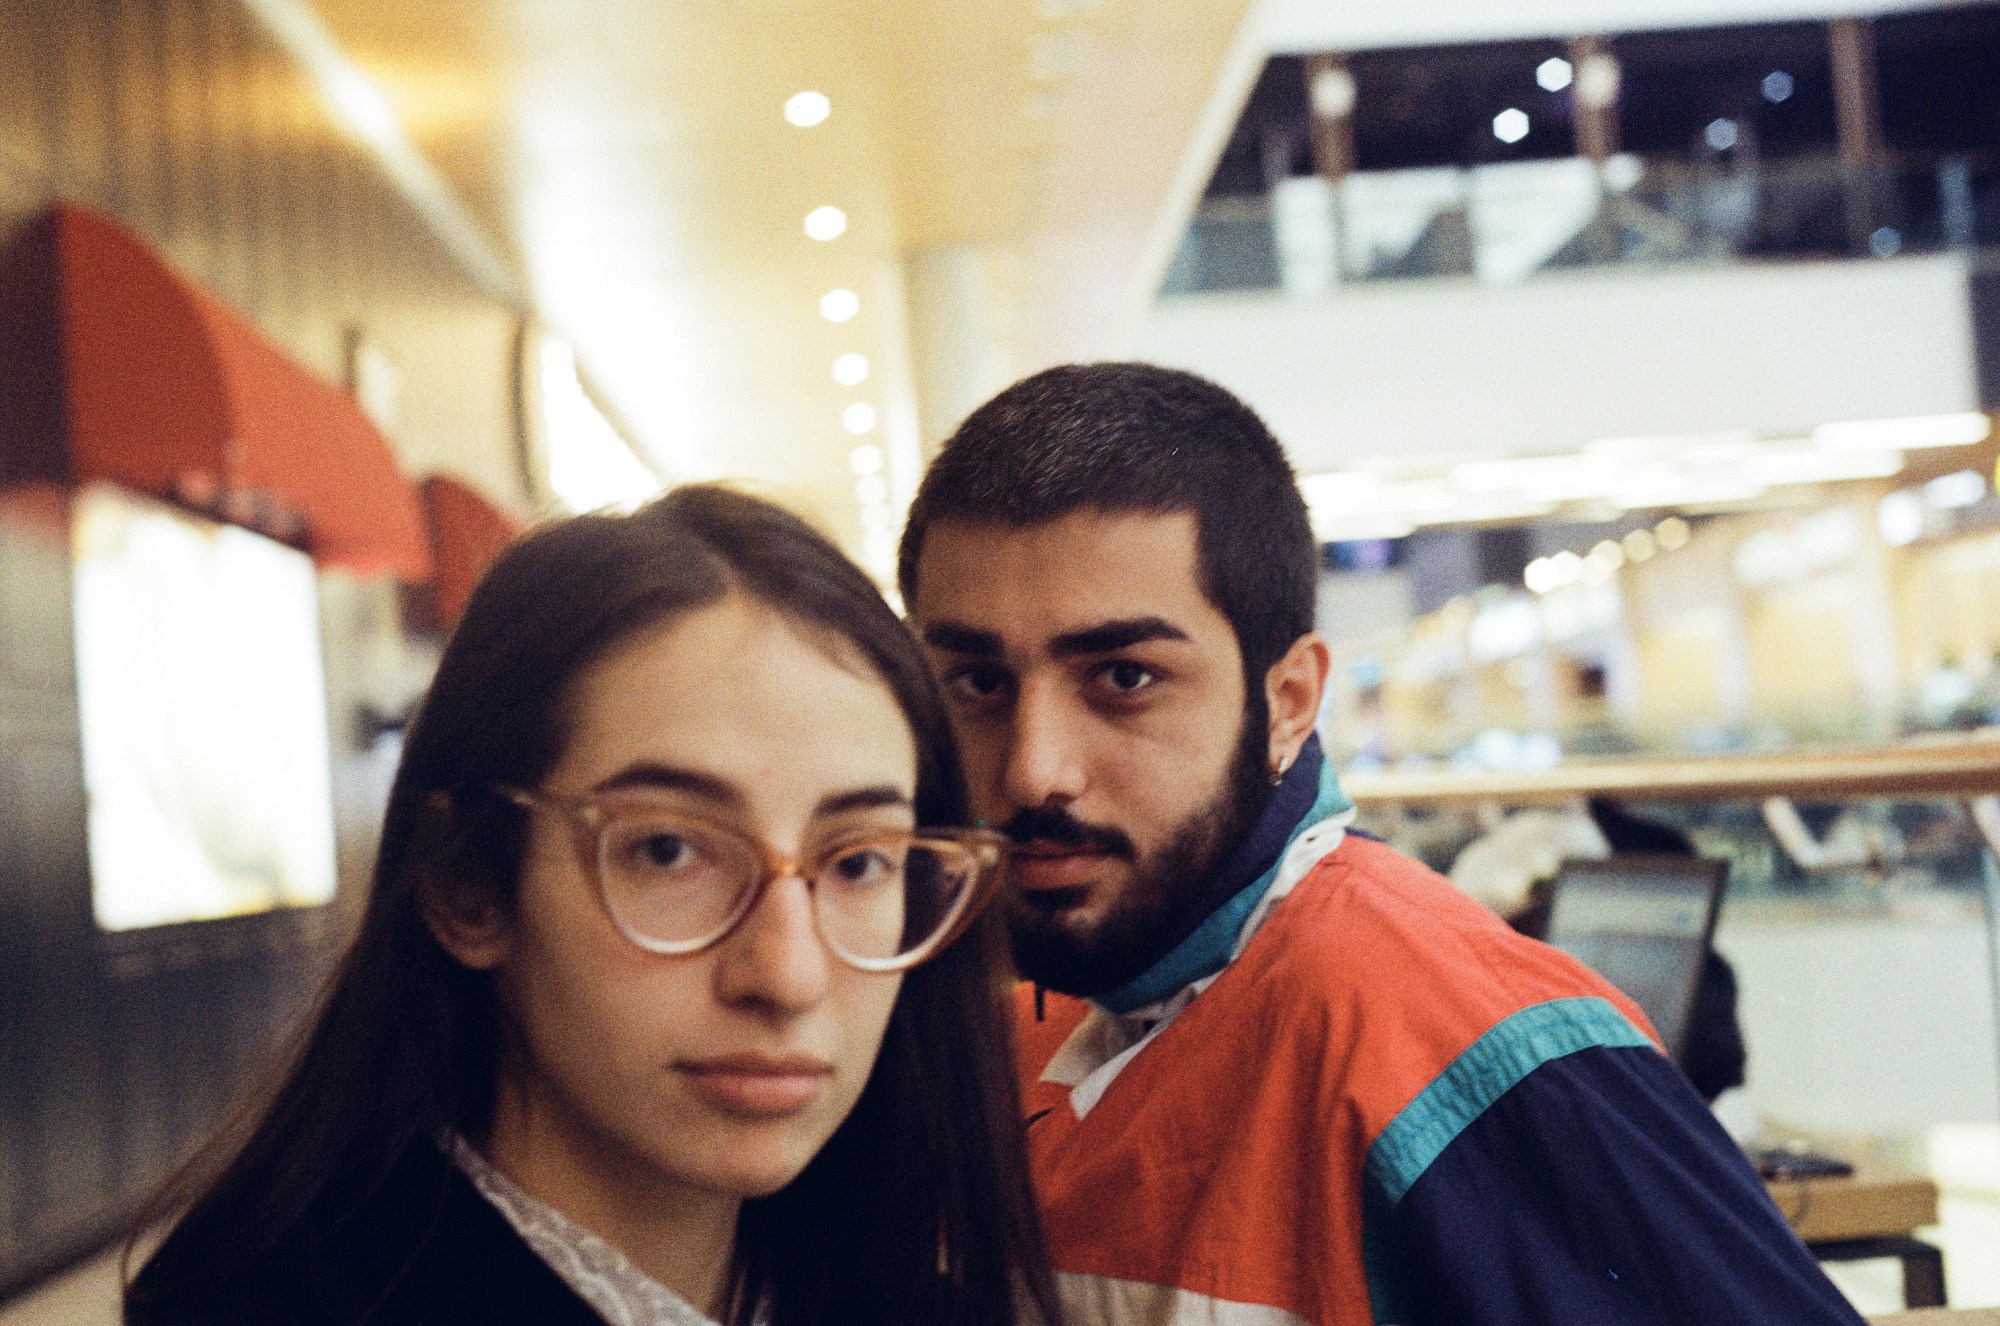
646	773
862	798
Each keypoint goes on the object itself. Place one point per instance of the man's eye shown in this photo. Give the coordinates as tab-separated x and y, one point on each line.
978	683
1127	676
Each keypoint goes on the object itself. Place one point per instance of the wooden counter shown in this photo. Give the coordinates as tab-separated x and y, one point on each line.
1950	765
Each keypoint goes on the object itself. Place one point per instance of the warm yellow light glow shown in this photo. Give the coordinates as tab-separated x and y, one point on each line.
590	465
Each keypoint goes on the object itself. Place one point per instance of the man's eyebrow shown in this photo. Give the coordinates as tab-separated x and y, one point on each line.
956	639
1112	636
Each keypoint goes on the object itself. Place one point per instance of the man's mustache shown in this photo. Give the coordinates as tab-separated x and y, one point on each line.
1053	826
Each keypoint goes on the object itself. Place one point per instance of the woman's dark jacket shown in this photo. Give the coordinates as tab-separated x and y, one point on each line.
424	1249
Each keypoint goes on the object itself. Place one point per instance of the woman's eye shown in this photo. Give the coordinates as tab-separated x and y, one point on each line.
862	869
1127	676
661	851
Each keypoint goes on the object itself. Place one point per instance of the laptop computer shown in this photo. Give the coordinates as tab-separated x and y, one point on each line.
1643	923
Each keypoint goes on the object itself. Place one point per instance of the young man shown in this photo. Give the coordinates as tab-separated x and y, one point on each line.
1285	1075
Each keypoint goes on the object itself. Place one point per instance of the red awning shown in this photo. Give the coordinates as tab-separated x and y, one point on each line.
165	389
467	533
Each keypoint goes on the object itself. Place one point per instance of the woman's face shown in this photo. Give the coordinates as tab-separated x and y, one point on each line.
723	1071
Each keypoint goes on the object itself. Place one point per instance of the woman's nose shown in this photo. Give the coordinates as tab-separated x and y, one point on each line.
776	957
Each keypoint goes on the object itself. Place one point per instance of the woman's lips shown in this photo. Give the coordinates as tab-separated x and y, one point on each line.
757	1085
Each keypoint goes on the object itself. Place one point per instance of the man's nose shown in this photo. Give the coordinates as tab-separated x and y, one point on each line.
776	957
1044	761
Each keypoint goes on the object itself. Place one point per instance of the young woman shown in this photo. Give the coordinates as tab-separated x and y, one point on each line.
634	1028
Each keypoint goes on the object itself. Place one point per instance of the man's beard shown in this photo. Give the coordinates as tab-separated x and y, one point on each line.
1165	897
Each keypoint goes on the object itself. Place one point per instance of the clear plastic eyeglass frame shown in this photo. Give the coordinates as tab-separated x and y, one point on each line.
593	820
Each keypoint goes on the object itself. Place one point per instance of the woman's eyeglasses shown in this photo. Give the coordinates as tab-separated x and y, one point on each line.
674	882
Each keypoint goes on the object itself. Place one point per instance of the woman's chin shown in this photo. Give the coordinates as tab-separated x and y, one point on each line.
759	1167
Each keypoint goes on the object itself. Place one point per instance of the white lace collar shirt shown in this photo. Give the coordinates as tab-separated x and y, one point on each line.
599	1274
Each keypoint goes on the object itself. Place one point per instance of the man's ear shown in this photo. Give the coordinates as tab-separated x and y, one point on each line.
466	918
1293	689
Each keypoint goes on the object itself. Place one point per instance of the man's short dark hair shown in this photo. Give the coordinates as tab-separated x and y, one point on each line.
1143	439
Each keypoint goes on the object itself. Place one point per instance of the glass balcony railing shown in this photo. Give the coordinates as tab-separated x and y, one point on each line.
1506	222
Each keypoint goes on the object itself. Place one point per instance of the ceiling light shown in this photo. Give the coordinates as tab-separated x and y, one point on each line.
1777	86
806	109
1936	430
1804	465
1554	74
1639	545
1541	576
866	459
850	370
870	489
1612	551
877	515
1885	242
839	305
824	223
1951	491
1597	80
858	418
1332	93
1720	134
1511	125
1623	172
1672	533
1900	519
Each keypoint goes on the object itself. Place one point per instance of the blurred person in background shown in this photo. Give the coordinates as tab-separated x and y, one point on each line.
634	1029
1275	1071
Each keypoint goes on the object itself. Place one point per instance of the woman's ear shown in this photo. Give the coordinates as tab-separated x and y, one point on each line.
1293	689
466	918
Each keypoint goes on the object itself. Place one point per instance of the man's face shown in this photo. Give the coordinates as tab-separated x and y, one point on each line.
1099	702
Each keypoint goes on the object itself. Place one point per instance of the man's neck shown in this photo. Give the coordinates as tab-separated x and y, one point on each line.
1203	943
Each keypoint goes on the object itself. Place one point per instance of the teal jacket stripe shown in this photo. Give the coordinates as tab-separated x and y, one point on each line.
1483	1073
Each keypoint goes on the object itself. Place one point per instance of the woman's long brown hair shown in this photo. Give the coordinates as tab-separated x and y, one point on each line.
918	1209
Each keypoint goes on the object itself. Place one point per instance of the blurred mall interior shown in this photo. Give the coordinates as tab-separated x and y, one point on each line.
1640	359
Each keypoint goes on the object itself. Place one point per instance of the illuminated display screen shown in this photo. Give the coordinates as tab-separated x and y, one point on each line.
205	740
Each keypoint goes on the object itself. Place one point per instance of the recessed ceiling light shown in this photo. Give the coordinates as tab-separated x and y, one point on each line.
839	305
870	489
866	459
1777	86
1554	74
1511	125
1720	134
850	370
806	109
825	223
858	418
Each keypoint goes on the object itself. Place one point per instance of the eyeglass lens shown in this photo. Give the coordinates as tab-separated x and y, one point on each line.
678	882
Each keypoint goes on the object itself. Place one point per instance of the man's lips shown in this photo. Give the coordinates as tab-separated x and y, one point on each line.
1041	866
756	1085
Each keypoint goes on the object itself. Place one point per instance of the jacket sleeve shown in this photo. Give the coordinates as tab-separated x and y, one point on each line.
1596	1189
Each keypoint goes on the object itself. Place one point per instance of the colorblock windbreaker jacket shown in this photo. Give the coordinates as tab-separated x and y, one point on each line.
1387	1107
